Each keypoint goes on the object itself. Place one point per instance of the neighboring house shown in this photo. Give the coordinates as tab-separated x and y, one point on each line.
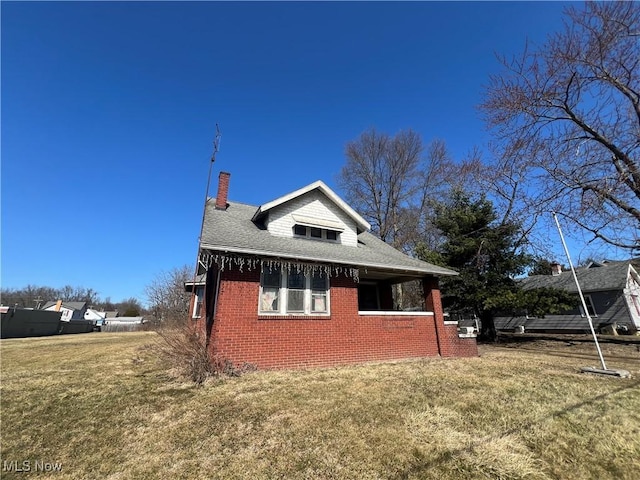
611	291
73	316
98	318
300	281
94	315
70	310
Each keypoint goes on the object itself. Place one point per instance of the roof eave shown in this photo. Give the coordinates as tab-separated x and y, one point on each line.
441	271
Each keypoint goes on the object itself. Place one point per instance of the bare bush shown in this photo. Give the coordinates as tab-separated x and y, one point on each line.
185	350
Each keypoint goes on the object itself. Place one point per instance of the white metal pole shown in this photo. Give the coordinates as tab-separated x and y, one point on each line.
584	304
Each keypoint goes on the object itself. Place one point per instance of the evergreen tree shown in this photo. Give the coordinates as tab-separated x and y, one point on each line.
488	258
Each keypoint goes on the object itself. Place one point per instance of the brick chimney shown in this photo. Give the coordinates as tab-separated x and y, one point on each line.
556	269
223	190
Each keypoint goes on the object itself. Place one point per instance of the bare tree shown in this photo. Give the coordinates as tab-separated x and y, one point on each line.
395	183
31	296
167	298
393	180
567	123
379	178
78	294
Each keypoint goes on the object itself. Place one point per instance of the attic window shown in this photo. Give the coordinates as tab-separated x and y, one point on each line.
316	233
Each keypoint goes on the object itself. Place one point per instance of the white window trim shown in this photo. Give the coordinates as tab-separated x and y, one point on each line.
283	293
198	298
589	301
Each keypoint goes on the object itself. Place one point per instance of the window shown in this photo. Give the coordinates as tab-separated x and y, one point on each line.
316	233
198	301
301	294
319	294
295	292
270	290
590	307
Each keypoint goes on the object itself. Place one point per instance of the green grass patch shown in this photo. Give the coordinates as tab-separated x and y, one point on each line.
102	407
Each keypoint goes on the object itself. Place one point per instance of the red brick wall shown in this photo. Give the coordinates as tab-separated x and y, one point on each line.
459	347
241	335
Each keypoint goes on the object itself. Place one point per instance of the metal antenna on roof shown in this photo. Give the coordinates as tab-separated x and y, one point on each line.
216	147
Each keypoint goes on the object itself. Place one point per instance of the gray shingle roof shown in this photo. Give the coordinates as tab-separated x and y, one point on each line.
571	322
70	305
232	230
609	276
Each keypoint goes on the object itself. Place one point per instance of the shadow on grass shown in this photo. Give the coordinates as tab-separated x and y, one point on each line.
422	465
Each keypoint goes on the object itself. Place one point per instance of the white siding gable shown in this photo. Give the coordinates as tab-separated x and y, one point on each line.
312	204
67	313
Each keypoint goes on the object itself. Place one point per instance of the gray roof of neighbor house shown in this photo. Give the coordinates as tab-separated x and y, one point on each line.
606	276
233	231
69	305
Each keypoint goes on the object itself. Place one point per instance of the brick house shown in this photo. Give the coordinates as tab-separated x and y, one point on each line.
300	281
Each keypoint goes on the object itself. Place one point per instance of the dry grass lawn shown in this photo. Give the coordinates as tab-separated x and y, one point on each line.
100	406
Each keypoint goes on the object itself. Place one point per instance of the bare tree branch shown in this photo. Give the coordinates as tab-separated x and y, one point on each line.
567	124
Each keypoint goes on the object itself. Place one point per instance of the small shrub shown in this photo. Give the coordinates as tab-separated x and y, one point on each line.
185	349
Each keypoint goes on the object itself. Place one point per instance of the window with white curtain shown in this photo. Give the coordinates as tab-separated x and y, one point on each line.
293	293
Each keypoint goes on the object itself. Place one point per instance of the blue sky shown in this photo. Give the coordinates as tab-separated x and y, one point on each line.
109	112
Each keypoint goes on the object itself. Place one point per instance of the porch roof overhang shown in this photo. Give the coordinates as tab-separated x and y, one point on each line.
368	270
